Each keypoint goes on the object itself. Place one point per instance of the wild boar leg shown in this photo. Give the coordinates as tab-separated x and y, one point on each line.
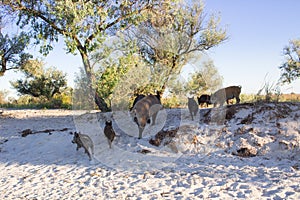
140	132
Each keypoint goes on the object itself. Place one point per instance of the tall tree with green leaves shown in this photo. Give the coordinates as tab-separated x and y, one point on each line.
13	51
291	67
40	82
204	80
169	39
111	66
83	25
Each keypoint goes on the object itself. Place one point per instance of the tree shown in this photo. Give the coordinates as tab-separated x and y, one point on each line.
81	99
291	67
40	82
203	79
111	65
115	63
12	49
83	24
12	52
168	39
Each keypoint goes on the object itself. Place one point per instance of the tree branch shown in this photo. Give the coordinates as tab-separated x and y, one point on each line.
109	25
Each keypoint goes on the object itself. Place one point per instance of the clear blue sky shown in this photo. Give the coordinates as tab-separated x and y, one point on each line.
258	30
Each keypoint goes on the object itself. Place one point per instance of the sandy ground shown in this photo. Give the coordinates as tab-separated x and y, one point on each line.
247	151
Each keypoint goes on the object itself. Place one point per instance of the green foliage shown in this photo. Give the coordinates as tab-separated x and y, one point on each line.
12	52
114	65
111	66
136	80
196	82
170	32
30	102
59	101
174	102
108	80
83	25
170	37
256	98
204	80
291	67
248	98
39	82
82	98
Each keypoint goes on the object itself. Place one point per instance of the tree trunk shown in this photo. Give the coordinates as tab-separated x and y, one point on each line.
3	66
102	105
170	72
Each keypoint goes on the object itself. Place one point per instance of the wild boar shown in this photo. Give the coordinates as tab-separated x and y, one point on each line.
84	141
145	108
225	94
204	99
109	132
193	107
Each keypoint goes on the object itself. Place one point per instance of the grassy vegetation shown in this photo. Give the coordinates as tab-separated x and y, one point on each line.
29	102
35	106
270	98
181	101
63	102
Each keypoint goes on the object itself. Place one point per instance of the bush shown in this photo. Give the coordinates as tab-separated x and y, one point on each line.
29	102
173	102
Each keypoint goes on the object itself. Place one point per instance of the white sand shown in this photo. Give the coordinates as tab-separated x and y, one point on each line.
203	161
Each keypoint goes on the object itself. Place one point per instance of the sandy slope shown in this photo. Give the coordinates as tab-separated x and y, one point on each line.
246	151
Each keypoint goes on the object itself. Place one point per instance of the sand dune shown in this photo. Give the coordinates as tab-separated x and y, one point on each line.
246	151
